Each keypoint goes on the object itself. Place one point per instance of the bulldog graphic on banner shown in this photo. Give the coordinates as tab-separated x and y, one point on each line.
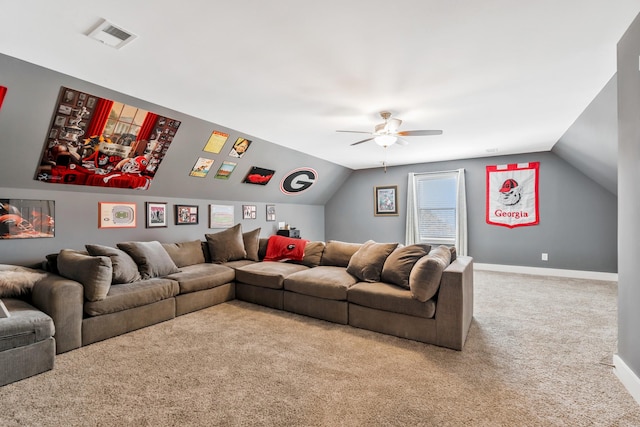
512	194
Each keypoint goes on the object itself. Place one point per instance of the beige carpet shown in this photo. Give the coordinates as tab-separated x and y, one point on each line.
538	354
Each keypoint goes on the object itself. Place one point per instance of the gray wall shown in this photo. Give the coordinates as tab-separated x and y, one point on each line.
591	143
578	217
629	197
77	222
26	116
24	121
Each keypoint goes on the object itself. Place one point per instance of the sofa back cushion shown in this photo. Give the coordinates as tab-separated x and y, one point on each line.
152	259
185	253
125	269
226	245
398	265
251	240
338	253
424	280
94	272
367	262
313	254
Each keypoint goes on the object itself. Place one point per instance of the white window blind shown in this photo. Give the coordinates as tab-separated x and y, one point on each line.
436	200
436	209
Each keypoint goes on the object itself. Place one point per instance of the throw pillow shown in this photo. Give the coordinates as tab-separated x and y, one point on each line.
152	259
16	280
281	248
94	272
251	240
313	254
398	265
424	280
366	264
226	245
338	253
185	253
125	269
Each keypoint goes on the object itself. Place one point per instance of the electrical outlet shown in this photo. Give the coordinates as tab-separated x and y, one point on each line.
545	256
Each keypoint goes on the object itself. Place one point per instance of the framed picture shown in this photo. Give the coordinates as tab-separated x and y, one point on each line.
271	212
386	200
249	211
156	214
259	176
186	214
26	219
221	216
116	215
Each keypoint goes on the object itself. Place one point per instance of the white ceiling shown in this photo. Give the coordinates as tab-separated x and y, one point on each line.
502	75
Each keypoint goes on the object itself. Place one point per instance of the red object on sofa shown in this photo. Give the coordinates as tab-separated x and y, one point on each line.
281	248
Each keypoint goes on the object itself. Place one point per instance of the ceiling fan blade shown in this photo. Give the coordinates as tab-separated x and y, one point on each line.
401	141
420	132
360	142
353	131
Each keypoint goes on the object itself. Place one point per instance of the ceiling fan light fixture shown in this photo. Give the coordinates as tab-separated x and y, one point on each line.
385	140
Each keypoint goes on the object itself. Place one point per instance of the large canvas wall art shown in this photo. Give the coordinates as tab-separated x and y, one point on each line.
99	142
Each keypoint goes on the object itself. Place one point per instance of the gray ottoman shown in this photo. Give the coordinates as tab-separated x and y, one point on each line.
27	346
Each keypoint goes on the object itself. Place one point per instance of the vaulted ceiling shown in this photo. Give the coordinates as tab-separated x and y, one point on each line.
497	76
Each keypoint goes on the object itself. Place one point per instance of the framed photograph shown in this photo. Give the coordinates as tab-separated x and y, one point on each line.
186	214
225	170
91	102
249	211
240	147
221	216
259	176
26	219
201	168
271	212
386	200
116	215
156	214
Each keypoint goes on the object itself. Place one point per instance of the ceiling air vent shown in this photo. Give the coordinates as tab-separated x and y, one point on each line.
111	34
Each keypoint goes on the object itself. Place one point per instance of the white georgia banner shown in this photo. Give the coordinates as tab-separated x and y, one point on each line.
512	194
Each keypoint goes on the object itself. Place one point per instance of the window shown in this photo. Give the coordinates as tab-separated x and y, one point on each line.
124	123
436	211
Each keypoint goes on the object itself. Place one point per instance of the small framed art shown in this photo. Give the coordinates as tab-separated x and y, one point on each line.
186	214
221	216
386	200
116	215
249	211
271	212
156	214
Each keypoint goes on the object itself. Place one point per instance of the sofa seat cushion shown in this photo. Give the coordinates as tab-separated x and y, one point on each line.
238	263
387	297
198	277
267	274
130	295
327	282
26	325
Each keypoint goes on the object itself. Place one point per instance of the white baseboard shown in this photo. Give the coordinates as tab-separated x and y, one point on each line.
576	274
627	377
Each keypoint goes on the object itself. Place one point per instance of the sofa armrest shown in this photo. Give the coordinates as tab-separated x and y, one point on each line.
454	308
62	299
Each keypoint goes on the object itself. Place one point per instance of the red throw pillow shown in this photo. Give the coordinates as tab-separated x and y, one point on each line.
281	248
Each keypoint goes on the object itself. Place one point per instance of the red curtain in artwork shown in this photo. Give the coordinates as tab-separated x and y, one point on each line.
147	127
100	117
3	91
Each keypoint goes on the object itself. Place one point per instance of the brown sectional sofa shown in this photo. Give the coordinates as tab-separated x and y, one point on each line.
323	284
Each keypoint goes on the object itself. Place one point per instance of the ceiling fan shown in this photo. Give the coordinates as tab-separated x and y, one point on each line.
386	134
